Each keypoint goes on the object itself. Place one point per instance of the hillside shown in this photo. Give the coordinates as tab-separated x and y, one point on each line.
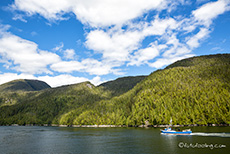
121	85
46	107
17	91
23	85
191	91
207	60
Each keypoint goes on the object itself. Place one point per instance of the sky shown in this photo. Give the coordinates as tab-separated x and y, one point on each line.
70	41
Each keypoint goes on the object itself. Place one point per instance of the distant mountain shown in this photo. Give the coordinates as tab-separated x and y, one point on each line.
190	91
23	85
122	85
50	105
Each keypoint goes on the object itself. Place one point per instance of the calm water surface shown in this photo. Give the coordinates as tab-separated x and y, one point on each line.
56	140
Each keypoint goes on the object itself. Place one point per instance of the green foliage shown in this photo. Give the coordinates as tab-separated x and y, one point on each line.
23	85
191	91
51	105
121	85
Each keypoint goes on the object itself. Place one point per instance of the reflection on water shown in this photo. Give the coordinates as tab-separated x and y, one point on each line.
57	140
169	142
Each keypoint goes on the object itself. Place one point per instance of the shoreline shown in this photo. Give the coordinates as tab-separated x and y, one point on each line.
120	126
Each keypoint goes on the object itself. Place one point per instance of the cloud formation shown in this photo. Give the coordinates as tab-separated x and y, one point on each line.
53	81
93	12
91	66
25	56
206	13
123	46
116	30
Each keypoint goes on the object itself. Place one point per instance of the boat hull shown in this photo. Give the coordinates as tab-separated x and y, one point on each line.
176	132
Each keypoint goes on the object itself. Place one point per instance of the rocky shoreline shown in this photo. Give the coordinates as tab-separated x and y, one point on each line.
116	126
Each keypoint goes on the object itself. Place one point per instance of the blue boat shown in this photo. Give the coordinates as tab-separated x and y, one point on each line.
170	131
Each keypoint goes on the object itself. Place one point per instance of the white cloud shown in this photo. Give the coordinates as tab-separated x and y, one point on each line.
174	34
218	49
4	28
59	47
113	12
142	56
117	38
52	10
172	50
194	41
67	66
91	66
209	11
53	81
93	12
19	17
6	77
24	55
159	26
66	79
117	45
159	63
114	46
97	81
69	53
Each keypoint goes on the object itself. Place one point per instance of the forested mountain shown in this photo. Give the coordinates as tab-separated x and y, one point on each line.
47	106
23	85
191	91
17	91
121	85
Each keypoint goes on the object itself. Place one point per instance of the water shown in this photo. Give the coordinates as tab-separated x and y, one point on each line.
56	140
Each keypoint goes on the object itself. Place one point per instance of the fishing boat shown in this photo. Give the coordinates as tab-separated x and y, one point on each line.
170	131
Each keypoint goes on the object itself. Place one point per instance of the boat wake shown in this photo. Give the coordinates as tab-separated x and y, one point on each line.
212	134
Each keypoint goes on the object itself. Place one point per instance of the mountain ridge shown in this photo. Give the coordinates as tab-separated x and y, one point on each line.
191	91
24	85
122	84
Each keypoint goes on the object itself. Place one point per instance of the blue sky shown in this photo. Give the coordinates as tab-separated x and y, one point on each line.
71	41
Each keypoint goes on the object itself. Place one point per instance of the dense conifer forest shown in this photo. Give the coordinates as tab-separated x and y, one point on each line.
190	91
